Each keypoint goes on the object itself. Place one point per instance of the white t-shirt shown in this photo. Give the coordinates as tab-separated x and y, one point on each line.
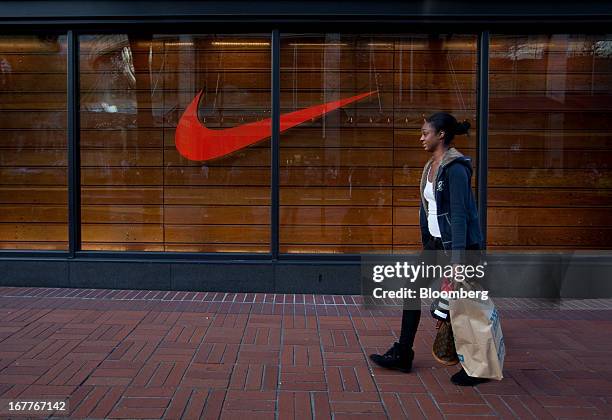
432	214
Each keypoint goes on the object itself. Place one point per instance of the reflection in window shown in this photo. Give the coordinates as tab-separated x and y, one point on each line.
349	179
138	191
549	142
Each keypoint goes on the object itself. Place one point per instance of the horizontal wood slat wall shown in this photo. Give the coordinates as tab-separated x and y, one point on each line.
133	175
138	192
350	181
33	146
550	173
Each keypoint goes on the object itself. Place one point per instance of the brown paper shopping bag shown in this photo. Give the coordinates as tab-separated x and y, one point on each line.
479	340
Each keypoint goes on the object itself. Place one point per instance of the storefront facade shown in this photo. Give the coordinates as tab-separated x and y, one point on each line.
265	147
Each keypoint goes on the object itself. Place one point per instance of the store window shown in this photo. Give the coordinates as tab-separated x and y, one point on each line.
350	176
147	184
33	155
550	142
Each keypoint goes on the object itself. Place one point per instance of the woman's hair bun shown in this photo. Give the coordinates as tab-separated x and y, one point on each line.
462	127
442	121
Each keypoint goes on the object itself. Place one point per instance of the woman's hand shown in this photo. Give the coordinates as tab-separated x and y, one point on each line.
450	283
447	285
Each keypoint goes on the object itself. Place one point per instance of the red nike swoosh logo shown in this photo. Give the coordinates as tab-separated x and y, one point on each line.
196	142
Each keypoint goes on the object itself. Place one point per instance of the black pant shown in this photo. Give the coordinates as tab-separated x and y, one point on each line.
411	318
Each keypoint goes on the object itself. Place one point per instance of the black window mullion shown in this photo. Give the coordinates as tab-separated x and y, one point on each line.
275	144
483	129
74	182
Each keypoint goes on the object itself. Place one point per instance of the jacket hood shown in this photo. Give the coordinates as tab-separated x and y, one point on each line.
451	156
455	156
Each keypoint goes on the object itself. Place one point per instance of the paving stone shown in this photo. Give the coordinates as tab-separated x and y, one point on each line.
159	354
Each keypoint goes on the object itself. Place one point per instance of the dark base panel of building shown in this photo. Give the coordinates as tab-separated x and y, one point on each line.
557	277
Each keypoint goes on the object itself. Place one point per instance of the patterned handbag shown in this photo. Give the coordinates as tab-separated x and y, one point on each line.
443	349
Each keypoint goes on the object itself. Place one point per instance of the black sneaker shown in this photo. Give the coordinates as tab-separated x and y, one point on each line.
396	357
461	378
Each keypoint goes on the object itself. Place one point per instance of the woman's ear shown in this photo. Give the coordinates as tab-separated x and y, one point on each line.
441	134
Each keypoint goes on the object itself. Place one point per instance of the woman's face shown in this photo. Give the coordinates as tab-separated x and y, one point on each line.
429	138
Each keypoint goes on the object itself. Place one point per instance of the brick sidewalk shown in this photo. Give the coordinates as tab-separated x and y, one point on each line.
151	354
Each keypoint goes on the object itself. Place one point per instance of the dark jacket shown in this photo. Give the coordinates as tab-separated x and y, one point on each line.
457	214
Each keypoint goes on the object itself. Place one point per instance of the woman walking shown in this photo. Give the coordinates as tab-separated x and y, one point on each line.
449	223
